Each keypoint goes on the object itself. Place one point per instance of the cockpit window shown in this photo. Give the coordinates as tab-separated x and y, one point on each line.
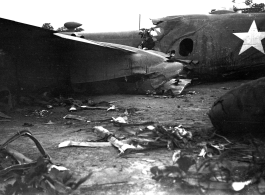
186	47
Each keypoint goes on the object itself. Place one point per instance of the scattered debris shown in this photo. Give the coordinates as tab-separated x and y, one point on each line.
94	107
216	172
84	144
191	92
39	113
182	133
6	100
111	108
27	125
76	117
49	123
123	120
175	86
166	171
158	136
237	186
114	141
4	116
72	109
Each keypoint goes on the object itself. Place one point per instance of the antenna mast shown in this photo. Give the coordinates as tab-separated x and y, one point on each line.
139	21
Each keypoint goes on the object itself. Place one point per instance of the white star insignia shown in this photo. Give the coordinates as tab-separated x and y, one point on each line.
252	38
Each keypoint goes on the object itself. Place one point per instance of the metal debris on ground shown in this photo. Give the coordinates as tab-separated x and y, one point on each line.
171	88
111	108
21	175
72	108
216	172
40	113
148	138
76	117
191	92
49	123
91	105
120	120
6	99
177	87
84	144
4	117
122	146
85	107
27	125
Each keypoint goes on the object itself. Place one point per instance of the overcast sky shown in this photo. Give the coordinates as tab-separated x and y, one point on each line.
104	15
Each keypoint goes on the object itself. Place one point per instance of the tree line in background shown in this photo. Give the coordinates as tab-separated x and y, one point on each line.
61	29
252	7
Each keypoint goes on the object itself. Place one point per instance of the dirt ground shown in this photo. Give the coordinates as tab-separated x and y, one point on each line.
113	174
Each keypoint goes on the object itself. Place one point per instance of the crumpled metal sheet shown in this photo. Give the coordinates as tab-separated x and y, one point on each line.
176	86
241	109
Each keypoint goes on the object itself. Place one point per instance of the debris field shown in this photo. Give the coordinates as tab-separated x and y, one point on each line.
127	144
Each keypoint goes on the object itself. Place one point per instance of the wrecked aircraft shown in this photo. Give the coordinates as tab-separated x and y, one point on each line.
223	45
215	45
33	58
206	46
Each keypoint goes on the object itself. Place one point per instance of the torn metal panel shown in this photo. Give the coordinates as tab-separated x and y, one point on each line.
175	86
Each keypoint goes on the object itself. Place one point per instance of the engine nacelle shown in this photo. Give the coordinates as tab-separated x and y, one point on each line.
72	25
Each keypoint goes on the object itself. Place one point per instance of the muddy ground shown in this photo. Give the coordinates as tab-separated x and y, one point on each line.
112	174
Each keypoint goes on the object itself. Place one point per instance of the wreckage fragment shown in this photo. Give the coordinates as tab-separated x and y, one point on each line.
25	176
4	117
76	117
241	109
6	100
175	86
84	144
176	136
114	141
166	171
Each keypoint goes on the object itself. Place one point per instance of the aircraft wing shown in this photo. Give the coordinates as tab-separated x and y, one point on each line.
96	43
32	57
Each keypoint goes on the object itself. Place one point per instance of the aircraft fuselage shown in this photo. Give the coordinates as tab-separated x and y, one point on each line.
216	45
219	44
